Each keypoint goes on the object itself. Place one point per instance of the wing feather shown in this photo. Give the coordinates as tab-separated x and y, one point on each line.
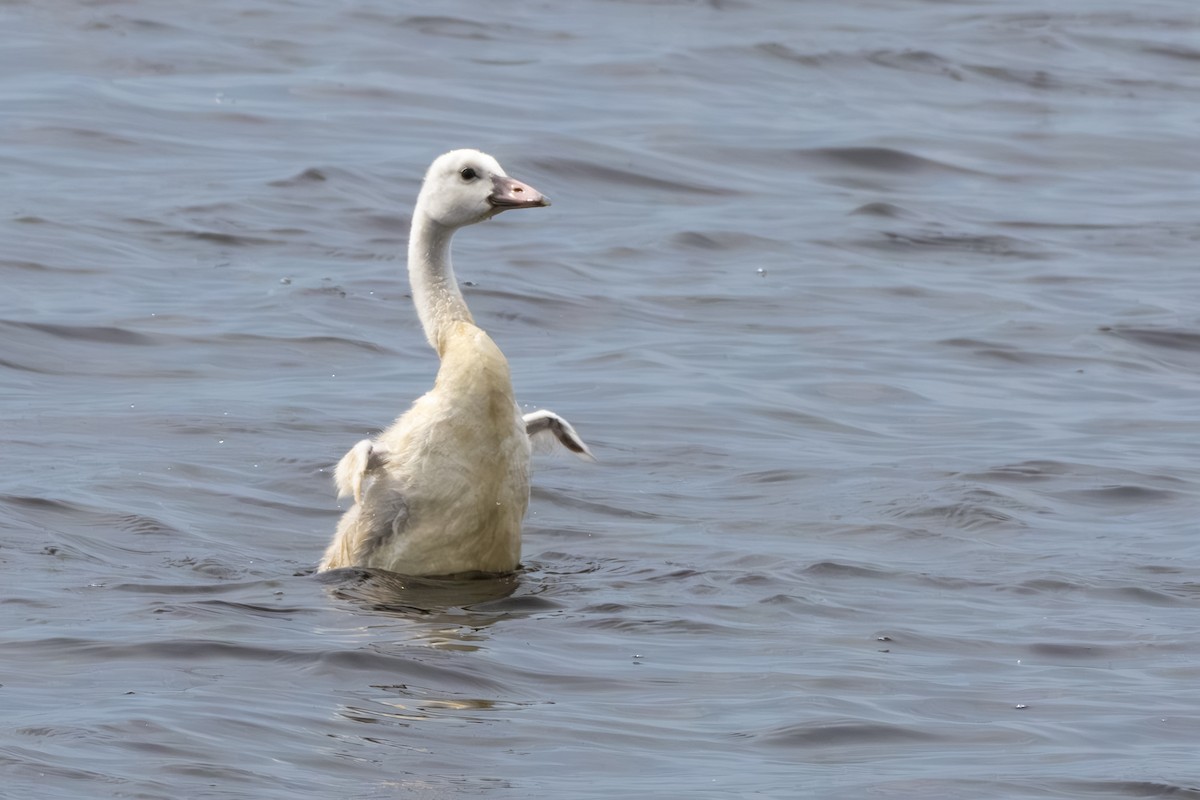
545	428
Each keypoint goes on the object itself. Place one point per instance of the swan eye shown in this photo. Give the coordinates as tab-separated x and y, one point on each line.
468	174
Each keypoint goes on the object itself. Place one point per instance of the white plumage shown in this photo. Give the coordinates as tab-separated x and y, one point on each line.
444	489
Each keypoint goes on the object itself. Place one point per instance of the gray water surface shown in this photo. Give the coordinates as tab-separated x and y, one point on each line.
882	319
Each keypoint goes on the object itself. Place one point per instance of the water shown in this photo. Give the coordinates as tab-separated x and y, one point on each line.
881	318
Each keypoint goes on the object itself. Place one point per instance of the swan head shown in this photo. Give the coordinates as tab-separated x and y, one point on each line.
463	187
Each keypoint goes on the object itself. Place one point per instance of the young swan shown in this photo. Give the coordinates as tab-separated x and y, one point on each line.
444	489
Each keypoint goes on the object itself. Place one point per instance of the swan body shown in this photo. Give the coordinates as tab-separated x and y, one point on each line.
444	489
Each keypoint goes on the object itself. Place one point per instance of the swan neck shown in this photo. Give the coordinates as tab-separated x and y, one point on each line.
435	290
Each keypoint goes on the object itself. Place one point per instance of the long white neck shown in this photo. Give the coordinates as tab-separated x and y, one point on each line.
435	291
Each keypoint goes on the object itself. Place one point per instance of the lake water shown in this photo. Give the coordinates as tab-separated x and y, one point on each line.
882	319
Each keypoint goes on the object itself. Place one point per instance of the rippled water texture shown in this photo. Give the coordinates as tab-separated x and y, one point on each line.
881	318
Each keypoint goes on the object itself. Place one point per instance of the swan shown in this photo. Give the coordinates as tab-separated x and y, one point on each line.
444	489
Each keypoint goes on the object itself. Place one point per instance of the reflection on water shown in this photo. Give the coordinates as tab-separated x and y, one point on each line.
474	601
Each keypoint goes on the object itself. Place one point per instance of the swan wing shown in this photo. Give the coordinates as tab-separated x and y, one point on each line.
545	428
379	529
356	466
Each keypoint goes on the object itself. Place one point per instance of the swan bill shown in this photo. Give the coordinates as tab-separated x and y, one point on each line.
508	193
